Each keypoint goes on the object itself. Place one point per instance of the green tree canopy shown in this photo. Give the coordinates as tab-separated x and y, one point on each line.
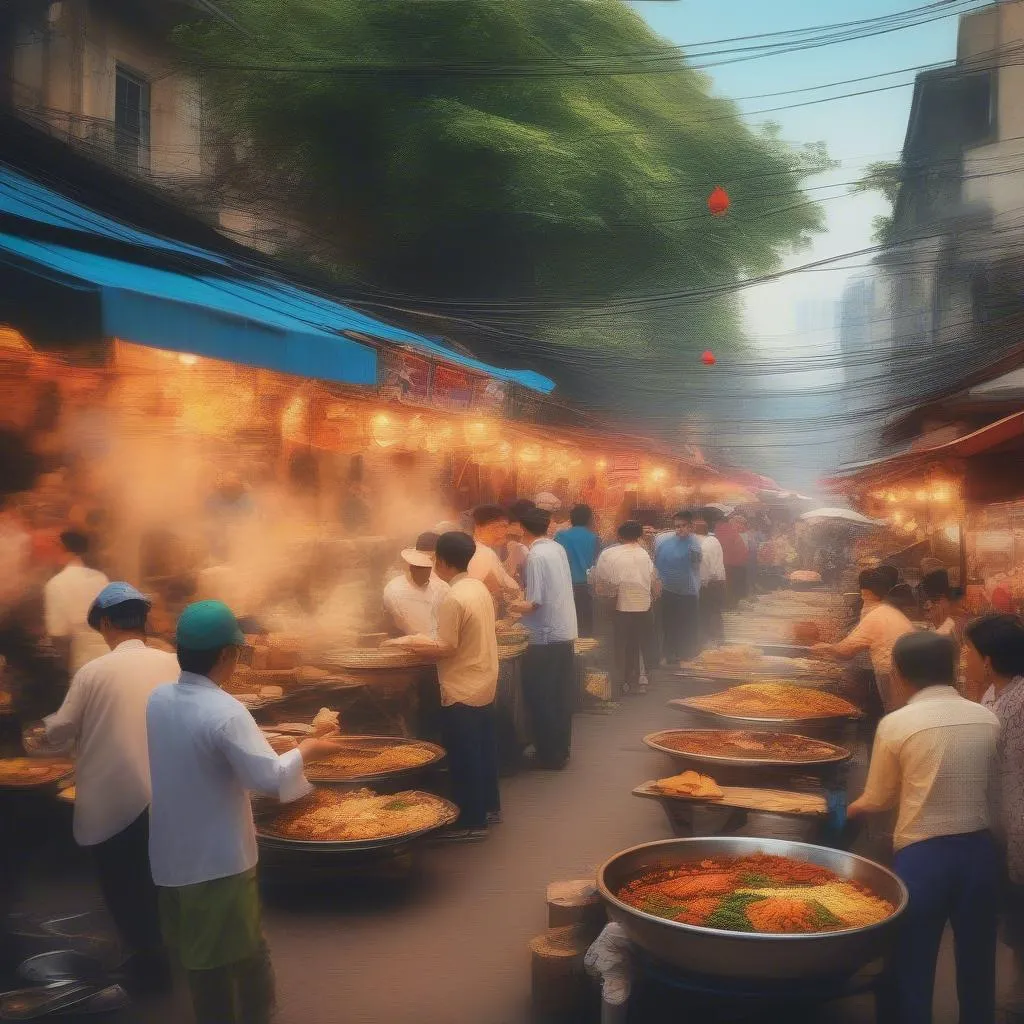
886	178
507	161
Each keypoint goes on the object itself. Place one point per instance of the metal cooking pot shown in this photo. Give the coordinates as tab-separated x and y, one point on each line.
714	953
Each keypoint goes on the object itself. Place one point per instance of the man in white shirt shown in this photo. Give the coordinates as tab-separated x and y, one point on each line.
466	649
411	600
206	755
67	599
935	759
880	626
490	531
104	718
626	573
713	595
549	613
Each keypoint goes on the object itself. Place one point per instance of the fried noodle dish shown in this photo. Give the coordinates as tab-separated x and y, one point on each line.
767	699
28	771
329	817
758	893
363	757
750	746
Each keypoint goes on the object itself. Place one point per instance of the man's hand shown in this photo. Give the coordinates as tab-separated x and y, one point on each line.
316	748
34	740
282	744
521	607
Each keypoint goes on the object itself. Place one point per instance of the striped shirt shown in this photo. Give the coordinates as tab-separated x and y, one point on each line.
935	759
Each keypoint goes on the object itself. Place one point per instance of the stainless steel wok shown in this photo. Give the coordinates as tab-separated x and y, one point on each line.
710	952
656	741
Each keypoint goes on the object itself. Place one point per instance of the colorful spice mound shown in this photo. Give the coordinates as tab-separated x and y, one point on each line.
759	893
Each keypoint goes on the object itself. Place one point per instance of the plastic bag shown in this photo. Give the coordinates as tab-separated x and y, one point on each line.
610	959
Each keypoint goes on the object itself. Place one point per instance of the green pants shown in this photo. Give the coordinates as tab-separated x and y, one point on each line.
214	930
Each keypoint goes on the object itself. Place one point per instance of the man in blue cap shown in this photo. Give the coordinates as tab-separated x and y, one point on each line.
206	755
104	718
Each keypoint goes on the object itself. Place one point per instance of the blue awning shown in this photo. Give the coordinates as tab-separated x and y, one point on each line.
187	299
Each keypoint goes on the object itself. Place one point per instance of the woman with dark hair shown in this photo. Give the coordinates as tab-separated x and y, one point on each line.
994	656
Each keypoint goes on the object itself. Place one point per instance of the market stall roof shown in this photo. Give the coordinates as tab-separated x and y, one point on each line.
149	289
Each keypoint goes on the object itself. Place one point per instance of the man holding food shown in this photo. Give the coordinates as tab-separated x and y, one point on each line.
466	650
206	755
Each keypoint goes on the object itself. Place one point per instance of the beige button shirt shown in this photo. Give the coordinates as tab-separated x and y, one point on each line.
878	632
413	609
465	621
936	759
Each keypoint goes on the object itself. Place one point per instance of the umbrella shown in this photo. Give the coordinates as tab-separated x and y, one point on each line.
845	515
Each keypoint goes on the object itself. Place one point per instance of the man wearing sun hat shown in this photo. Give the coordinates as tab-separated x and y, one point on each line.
412	599
206	755
104	717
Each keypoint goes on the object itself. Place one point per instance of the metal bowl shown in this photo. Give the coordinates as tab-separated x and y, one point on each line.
823	726
751	956
326	779
653	740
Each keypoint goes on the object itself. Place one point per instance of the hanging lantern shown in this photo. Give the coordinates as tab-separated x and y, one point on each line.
718	202
708	359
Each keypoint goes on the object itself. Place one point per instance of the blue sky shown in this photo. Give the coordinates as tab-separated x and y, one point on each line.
857	130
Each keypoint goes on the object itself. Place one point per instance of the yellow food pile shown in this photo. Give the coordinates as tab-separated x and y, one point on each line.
855	907
766	699
692	784
364	760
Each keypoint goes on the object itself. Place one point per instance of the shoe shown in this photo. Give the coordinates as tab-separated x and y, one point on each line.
462	835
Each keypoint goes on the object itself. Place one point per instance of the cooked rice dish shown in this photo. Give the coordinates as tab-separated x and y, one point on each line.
772	699
752	746
758	893
364	757
330	817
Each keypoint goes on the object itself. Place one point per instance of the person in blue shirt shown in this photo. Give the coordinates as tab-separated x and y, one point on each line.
677	558
581	545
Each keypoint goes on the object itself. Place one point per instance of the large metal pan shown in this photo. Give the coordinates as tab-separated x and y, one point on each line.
301	846
655	741
832	725
326	779
751	956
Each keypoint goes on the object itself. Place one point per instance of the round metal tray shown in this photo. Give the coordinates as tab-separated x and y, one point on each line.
766	724
50	783
841	753
439	753
280	845
751	955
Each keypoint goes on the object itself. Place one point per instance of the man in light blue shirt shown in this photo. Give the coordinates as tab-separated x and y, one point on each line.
549	613
677	557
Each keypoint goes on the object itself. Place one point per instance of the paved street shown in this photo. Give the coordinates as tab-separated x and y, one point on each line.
449	946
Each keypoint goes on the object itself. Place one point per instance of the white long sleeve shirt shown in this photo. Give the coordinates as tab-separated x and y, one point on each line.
67	599
206	755
712	563
104	717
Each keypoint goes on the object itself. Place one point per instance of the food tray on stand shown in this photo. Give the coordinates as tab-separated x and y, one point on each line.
322	778
653	740
357	659
331	848
61	770
817	726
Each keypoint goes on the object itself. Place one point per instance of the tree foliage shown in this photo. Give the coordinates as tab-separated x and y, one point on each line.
542	197
887	178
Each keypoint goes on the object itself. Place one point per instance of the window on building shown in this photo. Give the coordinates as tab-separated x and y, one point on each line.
131	119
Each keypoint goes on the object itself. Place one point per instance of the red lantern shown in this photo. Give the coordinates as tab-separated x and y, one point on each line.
708	359
718	202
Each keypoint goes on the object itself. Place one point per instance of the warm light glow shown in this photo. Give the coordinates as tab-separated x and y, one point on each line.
897	517
381	420
186	359
921	496
658	474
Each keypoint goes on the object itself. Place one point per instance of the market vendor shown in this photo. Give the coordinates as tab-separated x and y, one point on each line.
881	625
677	557
411	601
206	754
103	718
490	531
466	651
937	601
68	597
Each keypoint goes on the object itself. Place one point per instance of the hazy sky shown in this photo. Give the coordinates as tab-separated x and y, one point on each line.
857	129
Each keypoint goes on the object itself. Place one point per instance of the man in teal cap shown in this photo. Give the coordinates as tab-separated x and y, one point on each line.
206	755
